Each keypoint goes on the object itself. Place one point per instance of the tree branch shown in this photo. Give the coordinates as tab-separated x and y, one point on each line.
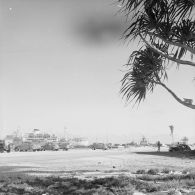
175	96
167	56
173	43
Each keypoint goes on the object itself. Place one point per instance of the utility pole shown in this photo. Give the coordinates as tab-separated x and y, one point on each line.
106	137
65	133
172	129
18	130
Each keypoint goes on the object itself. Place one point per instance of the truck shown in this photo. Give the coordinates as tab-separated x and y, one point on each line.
64	146
101	146
179	147
37	147
2	146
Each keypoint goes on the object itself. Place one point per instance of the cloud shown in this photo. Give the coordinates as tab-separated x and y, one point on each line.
97	29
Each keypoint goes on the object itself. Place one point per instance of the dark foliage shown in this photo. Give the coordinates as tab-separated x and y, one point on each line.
167	30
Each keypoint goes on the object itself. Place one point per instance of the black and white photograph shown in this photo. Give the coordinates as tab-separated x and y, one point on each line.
97	97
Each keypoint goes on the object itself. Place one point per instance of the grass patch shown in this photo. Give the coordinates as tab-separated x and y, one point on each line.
166	177
121	185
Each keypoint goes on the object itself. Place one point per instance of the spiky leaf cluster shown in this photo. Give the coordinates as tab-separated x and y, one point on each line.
168	26
145	69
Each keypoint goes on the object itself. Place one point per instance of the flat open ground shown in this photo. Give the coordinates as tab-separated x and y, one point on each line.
88	162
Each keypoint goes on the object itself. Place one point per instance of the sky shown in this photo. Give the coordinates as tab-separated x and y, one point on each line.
61	63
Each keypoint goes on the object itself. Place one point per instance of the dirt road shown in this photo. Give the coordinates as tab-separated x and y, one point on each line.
86	160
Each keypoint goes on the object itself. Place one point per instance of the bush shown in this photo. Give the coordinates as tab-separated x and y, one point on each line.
165	170
190	182
140	171
147	187
185	171
153	171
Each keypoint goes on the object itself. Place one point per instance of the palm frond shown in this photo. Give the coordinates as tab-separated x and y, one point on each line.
145	68
182	8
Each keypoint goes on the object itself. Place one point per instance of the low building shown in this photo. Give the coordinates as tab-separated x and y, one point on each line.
79	142
143	142
9	139
38	136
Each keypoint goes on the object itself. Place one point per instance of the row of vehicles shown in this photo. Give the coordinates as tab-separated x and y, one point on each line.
29	146
55	146
104	146
52	146
177	147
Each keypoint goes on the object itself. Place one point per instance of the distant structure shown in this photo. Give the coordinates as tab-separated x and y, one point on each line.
132	143
37	136
36	131
13	139
79	142
184	140
9	139
143	142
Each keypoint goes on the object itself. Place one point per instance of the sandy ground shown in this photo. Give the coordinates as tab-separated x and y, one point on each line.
89	162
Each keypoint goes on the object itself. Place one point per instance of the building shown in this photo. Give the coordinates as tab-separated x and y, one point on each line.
13	140
9	139
38	136
79	142
143	142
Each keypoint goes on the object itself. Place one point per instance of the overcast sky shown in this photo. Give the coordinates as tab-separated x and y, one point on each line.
61	66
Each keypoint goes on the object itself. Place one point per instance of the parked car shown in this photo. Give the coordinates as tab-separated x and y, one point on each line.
179	147
64	146
50	146
37	147
102	146
116	146
109	145
24	147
